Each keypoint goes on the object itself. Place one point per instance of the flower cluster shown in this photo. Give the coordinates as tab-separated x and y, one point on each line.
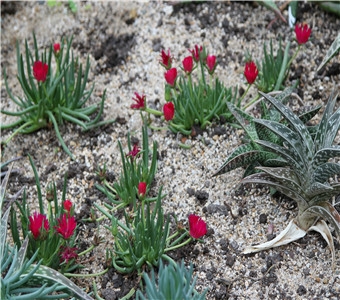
46	236
190	101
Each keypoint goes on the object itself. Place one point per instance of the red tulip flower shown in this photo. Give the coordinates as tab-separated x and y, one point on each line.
141	188
211	63
140	102
188	64
56	48
166	59
197	227
169	111
67	253
39	226
302	32
40	71
66	226
170	76
196	53
251	72
67	205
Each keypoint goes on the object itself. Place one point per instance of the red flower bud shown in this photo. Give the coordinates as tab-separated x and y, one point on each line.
197	227
56	48
302	32
169	111
141	188
39	226
40	71
170	76
67	205
211	63
188	64
250	72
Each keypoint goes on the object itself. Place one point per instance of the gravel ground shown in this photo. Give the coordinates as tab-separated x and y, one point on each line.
124	40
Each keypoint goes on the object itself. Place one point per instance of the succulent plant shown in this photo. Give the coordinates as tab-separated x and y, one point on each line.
306	176
251	154
22	278
173	282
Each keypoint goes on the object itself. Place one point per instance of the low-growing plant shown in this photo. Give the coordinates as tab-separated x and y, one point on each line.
52	97
307	175
191	101
250	154
51	234
21	278
145	236
171	282
139	165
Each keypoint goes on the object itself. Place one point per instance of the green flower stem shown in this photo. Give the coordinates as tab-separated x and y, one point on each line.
153	111
179	245
157	128
17	131
294	56
244	94
86	275
257	97
87	250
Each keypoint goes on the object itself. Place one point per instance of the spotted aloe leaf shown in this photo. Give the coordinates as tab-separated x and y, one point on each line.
325	171
50	276
253	153
332	51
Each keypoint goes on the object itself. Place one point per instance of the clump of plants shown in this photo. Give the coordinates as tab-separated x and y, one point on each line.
23	276
250	154
144	236
171	282
52	96
305	173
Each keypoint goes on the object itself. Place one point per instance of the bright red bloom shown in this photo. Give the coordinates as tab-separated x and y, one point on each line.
166	59
196	53
38	225
250	72
169	111
66	226
197	227
211	63
302	32
40	71
67	253
188	64
170	76
135	150
142	188
56	48
67	205
140	101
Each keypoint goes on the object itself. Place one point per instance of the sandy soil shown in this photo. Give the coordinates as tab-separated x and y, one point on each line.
124	40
